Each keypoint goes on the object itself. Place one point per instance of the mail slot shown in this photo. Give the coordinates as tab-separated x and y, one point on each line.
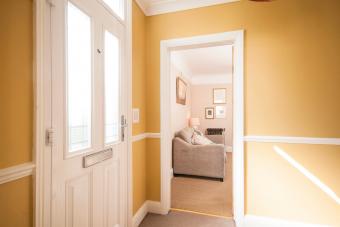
95	158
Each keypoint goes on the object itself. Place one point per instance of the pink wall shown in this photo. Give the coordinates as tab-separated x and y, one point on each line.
202	97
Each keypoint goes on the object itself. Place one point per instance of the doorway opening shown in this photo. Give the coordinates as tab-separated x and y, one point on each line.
202	129
176	88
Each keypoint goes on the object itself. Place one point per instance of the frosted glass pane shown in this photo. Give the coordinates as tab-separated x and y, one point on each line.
78	78
111	88
117	6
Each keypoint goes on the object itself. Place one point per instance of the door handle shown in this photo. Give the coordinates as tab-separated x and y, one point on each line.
123	125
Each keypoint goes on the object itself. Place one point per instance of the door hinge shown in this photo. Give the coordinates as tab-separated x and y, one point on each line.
50	137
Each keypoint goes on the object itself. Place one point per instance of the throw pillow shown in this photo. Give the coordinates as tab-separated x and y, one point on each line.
200	140
186	134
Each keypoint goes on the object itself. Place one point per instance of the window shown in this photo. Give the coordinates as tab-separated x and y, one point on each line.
79	78
117	7
112	93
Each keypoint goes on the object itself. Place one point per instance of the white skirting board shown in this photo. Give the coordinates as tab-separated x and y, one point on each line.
259	221
147	207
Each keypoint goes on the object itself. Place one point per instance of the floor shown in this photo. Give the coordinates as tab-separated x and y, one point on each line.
204	195
185	219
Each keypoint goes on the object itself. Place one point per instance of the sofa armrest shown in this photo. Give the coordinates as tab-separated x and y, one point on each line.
219	139
211	149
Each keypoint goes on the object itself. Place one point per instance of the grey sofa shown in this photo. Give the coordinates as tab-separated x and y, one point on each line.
198	160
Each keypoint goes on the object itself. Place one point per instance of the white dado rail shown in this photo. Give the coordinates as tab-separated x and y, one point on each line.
19	171
145	135
264	139
294	140
16	172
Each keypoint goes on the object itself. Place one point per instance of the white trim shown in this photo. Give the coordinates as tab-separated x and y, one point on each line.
291	139
171	173
140	215
42	74
147	207
153	135
16	172
128	36
259	221
236	39
165	6
155	207
145	135
138	137
142	5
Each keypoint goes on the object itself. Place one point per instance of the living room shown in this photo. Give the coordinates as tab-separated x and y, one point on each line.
202	130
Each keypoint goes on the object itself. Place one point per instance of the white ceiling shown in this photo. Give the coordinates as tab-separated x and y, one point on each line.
205	65
154	7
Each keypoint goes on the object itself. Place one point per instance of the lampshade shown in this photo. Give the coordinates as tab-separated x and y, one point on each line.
194	121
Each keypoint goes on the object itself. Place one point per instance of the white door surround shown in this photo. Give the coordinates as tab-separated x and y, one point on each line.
235	38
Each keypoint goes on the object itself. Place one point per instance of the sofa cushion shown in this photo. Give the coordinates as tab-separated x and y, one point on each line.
200	140
186	134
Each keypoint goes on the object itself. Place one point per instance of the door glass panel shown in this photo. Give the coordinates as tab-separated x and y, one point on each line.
117	7
79	78
112	70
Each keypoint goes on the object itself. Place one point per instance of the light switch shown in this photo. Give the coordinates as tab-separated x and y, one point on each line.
135	115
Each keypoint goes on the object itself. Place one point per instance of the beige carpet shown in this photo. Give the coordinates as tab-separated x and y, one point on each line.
204	195
185	219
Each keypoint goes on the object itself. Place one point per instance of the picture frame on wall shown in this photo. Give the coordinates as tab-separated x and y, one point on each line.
219	95
220	112
209	113
181	91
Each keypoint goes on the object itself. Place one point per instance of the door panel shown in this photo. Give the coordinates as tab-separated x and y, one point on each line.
88	100
78	201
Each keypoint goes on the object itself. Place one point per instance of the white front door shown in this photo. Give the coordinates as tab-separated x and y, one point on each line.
89	102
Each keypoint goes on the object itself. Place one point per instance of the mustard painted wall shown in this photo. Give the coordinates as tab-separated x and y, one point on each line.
139	174
293	46
275	188
16	82
139	66
16	108
139	101
153	170
292	74
16	207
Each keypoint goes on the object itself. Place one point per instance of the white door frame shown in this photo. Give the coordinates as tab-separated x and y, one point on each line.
42	109
235	38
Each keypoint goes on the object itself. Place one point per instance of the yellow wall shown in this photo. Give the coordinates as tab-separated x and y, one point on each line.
16	82
139	67
16	108
139	174
153	170
16	207
139	101
291	89
276	189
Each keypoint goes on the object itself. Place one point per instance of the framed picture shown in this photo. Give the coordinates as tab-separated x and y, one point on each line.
209	113
220	112
181	91
219	95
